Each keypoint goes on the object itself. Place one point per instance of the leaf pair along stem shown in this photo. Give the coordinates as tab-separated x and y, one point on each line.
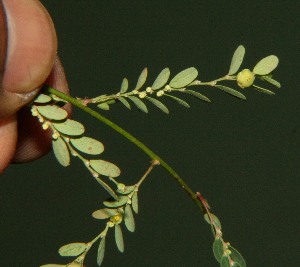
130	137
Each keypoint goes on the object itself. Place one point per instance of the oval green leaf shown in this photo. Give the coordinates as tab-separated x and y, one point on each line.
266	65
88	145
263	90
114	204
197	95
127	190
42	99
139	103
231	91
237	257
215	219
161	79
134	202
104	213
142	79
237	60
184	78
69	127
178	100
124	102
271	81
124	86
225	261
105	168
218	249
61	151
107	188
158	104
73	249
103	106
129	219
101	251
119	238
52	112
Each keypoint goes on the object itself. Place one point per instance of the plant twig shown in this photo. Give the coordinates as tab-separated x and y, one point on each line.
130	137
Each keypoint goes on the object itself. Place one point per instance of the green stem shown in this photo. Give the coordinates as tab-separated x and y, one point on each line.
131	138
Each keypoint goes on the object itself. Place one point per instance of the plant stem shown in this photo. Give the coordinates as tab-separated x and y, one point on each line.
131	138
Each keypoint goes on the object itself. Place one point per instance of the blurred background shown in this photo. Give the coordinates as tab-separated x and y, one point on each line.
243	156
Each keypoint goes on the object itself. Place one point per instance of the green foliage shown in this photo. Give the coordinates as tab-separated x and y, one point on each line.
237	60
68	139
266	65
73	249
181	83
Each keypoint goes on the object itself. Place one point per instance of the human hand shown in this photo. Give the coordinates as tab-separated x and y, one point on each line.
28	59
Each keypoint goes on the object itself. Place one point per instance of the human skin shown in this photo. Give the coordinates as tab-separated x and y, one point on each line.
28	59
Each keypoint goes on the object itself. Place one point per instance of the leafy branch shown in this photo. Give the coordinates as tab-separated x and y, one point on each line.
181	83
116	212
68	139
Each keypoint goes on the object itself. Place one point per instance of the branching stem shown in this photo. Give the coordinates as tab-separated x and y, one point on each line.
130	137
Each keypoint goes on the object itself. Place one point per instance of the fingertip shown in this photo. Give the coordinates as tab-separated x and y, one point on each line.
32	45
33	141
8	139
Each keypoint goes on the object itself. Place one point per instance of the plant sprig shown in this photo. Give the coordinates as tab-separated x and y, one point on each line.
180	83
117	212
68	138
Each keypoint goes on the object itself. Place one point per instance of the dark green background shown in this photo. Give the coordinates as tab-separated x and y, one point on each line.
242	155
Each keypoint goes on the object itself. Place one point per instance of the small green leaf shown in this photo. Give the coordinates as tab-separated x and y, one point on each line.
42	99
52	112
237	60
225	261
103	106
158	104
107	188
215	219
196	94
184	78
231	91
139	103
104	213
134	202
101	251
161	79
87	145
271	81
124	102
61	151
237	257
218	249
114	204
263	90
129	219
105	168
266	65
142	79
127	190
119	238
69	127
124	86
73	249
178	100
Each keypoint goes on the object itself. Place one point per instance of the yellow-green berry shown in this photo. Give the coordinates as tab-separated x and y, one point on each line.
245	78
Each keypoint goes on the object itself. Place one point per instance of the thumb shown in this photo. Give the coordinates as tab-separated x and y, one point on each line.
27	52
